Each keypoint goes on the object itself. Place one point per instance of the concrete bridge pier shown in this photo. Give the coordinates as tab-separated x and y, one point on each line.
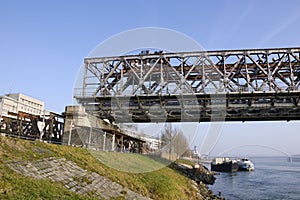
83	129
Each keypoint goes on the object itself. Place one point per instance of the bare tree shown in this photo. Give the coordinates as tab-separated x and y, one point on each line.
174	141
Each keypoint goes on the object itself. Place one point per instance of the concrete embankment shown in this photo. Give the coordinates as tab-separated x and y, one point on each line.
73	178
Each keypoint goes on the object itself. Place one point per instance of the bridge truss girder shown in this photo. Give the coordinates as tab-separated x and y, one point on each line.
258	84
26	125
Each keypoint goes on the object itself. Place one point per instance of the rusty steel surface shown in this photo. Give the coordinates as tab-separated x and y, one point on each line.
48	128
227	85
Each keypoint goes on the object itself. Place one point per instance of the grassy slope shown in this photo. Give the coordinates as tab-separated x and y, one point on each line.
164	183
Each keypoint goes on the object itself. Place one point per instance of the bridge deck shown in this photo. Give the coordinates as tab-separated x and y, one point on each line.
244	106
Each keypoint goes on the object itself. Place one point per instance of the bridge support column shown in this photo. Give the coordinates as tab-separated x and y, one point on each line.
104	141
70	133
113	142
90	137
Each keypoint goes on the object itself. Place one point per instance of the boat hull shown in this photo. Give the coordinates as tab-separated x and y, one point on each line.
225	167
245	169
245	165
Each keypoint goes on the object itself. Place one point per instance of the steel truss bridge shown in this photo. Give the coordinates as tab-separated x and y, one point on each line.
229	85
27	126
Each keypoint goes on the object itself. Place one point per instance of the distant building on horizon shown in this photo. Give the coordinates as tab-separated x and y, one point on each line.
195	153
13	103
152	142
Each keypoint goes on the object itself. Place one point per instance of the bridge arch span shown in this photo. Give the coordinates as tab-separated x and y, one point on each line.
254	145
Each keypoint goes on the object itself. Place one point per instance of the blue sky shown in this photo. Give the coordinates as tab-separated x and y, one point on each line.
43	43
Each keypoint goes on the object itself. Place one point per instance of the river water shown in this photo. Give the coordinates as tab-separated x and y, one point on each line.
273	178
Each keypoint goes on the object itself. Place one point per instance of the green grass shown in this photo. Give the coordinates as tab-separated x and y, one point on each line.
127	162
187	162
163	183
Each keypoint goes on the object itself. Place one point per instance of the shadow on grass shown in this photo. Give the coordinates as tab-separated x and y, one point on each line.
131	162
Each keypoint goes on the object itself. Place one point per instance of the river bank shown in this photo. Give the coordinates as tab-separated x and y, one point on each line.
199	174
17	156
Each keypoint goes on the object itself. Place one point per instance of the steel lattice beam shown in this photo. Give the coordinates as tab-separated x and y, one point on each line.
254	84
26	126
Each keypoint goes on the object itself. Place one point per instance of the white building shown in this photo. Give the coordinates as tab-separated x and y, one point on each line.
13	103
152	142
